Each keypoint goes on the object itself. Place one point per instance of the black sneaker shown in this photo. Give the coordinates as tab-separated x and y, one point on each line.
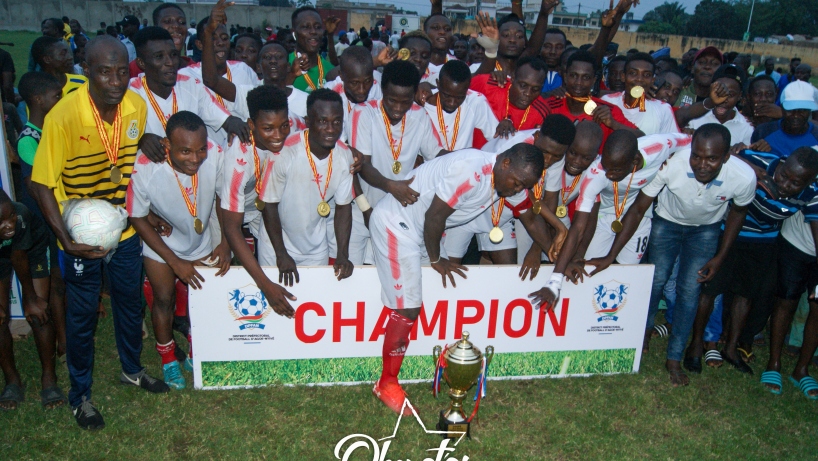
145	381
87	416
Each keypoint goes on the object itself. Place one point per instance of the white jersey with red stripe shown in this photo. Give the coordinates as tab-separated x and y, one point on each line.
238	187
462	179
368	135
191	95
153	187
655	150
658	116
433	70
288	180
242	110
337	86
475	113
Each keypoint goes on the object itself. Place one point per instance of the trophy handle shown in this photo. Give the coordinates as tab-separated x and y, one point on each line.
436	353
489	354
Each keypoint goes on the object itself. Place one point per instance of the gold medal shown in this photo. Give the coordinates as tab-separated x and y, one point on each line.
323	209
259	204
637	92
396	167
198	226
536	207
496	235
404	53
590	106
562	211
116	175
616	226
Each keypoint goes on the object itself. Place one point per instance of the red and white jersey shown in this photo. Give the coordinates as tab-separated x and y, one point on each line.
337	86
655	150
153	187
657	118
240	74
462	179
475	113
190	94
238	186
288	180
368	135
242	111
553	173
433	70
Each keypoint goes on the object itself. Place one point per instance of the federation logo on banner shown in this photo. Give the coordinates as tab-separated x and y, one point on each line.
248	306
609	299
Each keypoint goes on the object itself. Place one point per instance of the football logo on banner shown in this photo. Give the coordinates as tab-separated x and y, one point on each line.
249	306
609	299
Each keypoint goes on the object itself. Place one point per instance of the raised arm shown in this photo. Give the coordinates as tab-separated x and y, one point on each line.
537	38
210	74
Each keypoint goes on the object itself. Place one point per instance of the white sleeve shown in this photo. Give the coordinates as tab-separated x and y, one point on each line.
668	124
217	153
484	118
553	176
457	183
233	180
343	194
212	113
240	108
659	181
746	192
590	187
138	201
275	177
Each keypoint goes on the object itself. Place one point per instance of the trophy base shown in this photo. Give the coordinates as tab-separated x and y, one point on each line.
454	430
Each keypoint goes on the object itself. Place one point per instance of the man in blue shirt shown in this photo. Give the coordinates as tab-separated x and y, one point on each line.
794	130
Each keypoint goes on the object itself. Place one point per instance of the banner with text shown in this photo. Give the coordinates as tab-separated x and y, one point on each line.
337	331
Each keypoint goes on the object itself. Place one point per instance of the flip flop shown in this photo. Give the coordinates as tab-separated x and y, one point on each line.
806	384
713	358
660	331
52	395
747	356
773	378
12	393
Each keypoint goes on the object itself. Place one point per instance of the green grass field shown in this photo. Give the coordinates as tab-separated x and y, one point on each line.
19	52
721	415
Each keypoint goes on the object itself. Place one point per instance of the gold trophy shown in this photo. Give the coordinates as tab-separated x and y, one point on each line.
462	364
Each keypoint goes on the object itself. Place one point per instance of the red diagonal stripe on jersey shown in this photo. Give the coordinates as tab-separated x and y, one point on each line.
235	184
461	189
392	244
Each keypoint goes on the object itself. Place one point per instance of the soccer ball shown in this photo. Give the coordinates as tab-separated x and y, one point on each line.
94	222
252	306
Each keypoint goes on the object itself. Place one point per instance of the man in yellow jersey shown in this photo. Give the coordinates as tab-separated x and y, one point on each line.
81	155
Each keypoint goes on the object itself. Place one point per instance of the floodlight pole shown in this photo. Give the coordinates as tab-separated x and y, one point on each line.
750	21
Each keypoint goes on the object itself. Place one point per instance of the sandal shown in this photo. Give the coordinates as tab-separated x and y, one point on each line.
713	358
52	398
746	355
807	384
660	331
678	378
772	378
12	393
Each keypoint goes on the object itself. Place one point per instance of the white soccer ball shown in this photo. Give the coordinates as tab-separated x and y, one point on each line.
94	222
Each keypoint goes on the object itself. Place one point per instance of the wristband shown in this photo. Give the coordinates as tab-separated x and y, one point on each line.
705	105
555	284
816	292
438	260
489	45
362	203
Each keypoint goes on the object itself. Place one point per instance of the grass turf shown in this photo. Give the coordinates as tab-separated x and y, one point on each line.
722	414
19	52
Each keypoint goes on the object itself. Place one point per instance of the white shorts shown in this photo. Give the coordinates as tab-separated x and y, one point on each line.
524	241
360	247
603	239
457	239
398	258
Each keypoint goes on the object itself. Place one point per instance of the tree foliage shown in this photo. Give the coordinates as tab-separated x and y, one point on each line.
728	19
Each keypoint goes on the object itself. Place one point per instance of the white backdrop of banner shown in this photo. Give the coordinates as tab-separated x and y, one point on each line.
337	319
7	185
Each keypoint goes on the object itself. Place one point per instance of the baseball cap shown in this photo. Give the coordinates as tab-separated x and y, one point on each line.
799	95
731	71
708	50
661	52
129	19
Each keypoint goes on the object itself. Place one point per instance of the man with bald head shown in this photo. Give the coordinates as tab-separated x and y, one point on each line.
88	148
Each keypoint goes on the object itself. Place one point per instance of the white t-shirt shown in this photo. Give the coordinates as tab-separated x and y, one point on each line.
337	86
130	47
295	104
473	67
655	149
462	179
657	118
368	135
191	95
289	181
394	39
237	190
475	113
434	70
684	200
740	129
798	232
153	187
340	47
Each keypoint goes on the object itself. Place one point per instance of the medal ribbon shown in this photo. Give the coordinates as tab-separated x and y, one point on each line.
497	66
564	193
508	114
443	125
495	216
314	170
256	166
395	153
320	76
577	98
538	188
191	207
156	107
618	210
638	102
111	146
229	78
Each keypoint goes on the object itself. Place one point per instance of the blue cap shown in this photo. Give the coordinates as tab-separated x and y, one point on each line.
662	52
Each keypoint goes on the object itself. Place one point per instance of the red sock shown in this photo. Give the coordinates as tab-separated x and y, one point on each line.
166	351
181	299
395	342
147	289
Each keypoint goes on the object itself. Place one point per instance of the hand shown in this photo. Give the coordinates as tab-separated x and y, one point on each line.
81	250
505	129
488	25
650	92
602	115
187	273
151	146
300	65
558	93
385	56
531	263
768	110
548	6
402	192
218	15
278	298
761	146
544	298
222	256
234	126
607	19
445	268
600	264
737	148
159	225
343	268
423	93
287	270
331	24
709	270
718	93
499	76
36	311
575	271
556	244
358	161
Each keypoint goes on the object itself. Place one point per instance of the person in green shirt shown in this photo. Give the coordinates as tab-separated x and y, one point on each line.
309	30
705	63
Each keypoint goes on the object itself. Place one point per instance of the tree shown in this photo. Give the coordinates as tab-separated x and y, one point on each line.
717	19
656	27
667	18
